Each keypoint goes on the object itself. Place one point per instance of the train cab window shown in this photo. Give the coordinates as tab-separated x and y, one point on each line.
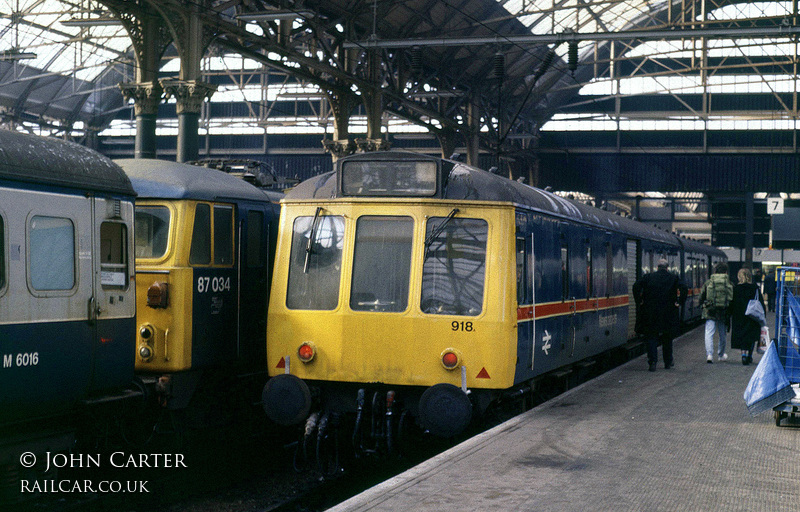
315	264
200	253
454	269
255	240
152	231
113	255
3	258
564	272
223	235
381	264
52	253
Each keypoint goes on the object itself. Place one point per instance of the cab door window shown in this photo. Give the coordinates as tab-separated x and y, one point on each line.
113	255
200	253
223	235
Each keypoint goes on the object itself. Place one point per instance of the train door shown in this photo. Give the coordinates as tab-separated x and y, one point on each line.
111	307
45	336
526	320
634	251
253	276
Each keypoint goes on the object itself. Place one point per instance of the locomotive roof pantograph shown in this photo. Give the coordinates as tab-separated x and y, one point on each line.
153	178
48	161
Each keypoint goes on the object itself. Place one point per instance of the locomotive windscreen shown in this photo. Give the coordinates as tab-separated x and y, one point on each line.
389	178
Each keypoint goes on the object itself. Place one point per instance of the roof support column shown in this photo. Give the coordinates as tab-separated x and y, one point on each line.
146	97
473	134
373	104
342	105
190	95
748	229
150	39
189	91
448	140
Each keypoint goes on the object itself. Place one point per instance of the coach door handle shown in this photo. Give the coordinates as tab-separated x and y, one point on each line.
91	313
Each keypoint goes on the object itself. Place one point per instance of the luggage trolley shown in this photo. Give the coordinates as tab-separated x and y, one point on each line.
787	336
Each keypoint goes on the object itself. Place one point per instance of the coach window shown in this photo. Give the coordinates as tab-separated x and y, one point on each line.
52	253
201	236
381	264
315	264
113	255
609	269
151	229
589	290
564	271
223	235
454	268
255	240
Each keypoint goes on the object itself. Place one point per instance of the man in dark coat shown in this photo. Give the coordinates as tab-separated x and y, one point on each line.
770	287
658	297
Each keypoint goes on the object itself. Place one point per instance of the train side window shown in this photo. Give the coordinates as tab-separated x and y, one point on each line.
255	240
382	264
151	231
564	271
589	290
223	235
609	269
113	255
521	273
454	269
52	253
315	264
200	253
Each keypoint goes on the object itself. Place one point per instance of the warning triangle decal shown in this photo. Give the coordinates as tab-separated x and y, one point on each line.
483	374
281	363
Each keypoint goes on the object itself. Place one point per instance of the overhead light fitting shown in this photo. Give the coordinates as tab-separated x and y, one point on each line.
92	22
275	15
16	55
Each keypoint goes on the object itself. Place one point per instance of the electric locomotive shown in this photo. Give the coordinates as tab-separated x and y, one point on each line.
67	324
443	286
204	245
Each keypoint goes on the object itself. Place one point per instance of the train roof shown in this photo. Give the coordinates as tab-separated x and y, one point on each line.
463	182
697	246
47	161
162	179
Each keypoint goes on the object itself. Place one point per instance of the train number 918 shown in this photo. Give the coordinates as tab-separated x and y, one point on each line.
461	326
213	284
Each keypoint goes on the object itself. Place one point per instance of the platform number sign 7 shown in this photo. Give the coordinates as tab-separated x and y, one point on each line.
774	205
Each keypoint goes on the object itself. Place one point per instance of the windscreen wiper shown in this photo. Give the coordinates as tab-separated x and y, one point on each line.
438	230
311	237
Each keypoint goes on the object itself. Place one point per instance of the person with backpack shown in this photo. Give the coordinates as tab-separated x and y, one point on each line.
715	297
658	297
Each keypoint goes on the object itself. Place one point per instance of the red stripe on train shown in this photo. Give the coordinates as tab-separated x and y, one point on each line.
570	306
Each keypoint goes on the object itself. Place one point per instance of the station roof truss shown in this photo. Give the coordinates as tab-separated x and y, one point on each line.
541	76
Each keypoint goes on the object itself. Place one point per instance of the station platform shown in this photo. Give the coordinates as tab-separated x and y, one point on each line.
629	440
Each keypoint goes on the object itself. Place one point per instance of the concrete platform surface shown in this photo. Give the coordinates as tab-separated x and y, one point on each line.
630	440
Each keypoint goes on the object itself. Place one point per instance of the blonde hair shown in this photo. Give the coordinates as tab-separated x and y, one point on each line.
745	276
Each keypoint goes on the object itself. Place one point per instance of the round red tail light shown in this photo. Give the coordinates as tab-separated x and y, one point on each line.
306	352
450	359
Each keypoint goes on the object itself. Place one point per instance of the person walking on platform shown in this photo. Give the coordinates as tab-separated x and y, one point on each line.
770	287
715	297
744	330
658	295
